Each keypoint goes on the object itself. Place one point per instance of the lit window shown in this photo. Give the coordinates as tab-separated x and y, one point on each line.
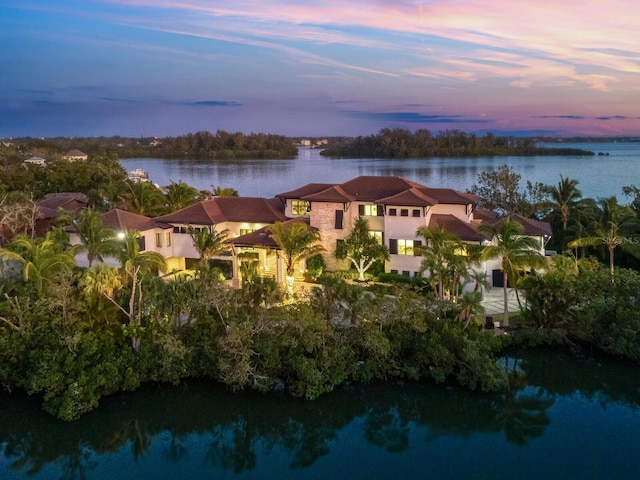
244	231
405	247
377	235
300	207
158	240
168	239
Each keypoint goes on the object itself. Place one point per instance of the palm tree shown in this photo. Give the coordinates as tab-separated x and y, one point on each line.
106	281
143	198
297	242
180	195
514	250
96	240
611	228
438	255
223	191
565	200
209	243
42	259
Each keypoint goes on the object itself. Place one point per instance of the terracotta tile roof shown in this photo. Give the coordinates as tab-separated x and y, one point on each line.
75	153
484	214
228	209
123	220
533	227
262	237
414	197
372	188
59	200
308	189
380	189
465	231
335	193
450	196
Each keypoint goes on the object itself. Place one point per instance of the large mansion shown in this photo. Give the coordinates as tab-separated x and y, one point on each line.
394	207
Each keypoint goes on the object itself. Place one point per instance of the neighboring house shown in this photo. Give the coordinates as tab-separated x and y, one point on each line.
238	215
74	155
50	205
39	161
154	235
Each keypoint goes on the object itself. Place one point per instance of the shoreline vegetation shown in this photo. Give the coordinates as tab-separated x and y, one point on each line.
72	335
222	145
402	143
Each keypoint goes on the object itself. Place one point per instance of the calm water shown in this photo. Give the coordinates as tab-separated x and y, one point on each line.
599	176
570	419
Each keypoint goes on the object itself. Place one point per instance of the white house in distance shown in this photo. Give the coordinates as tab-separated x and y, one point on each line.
39	161
74	156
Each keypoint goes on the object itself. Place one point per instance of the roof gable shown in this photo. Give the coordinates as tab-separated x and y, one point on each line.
123	220
464	231
228	209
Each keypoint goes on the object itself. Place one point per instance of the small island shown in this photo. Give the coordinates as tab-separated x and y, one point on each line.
402	143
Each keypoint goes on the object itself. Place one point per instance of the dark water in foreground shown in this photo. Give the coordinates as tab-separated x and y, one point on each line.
569	419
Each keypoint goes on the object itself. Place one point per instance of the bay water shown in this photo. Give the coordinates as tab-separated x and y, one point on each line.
598	175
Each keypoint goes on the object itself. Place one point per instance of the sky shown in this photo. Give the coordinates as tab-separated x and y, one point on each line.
319	67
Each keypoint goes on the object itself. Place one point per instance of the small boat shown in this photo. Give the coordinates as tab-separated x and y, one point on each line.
138	176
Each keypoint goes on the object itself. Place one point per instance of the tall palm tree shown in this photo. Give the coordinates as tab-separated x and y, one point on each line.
514	250
565	200
96	240
106	281
42	259
438	255
297	242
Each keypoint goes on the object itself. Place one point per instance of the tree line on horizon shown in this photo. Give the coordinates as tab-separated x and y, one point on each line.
203	145
403	143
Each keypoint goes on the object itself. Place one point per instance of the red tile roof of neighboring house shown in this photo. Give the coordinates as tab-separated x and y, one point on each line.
59	200
484	214
533	227
49	205
75	153
123	220
465	231
228	209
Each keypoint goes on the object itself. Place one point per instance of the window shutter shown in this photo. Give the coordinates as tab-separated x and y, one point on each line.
361	210
380	210
339	218
393	246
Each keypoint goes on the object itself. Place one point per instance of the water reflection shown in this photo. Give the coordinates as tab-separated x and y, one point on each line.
202	423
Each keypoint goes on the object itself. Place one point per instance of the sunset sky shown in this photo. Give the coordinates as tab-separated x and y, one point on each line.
318	67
